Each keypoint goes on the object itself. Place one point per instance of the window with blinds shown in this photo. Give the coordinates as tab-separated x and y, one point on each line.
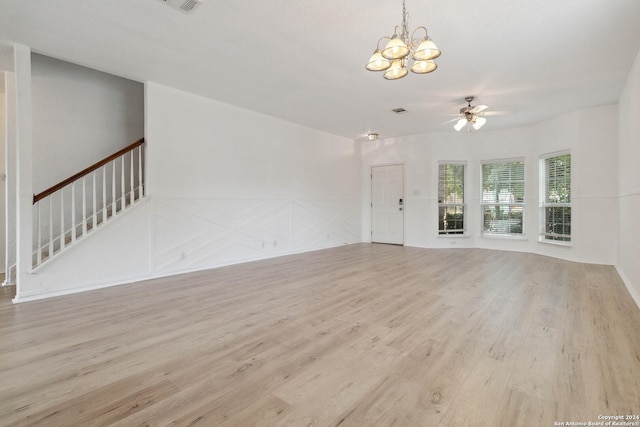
451	206
503	197
555	197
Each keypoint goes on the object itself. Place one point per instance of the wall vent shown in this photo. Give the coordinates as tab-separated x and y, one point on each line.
185	6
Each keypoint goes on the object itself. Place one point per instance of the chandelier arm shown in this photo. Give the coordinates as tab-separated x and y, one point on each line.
382	38
426	35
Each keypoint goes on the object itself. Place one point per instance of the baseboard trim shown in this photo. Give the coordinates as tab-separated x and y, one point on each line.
93	287
45	295
21	299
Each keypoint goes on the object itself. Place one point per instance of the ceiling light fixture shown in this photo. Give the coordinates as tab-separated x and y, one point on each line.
394	58
471	115
372	136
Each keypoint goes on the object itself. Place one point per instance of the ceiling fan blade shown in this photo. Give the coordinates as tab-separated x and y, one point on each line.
479	108
495	113
451	121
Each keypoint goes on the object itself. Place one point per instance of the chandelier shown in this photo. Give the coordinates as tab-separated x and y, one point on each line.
394	58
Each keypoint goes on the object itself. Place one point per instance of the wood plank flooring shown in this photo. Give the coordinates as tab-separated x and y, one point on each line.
361	335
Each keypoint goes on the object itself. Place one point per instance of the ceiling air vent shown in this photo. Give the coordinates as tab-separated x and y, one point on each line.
186	6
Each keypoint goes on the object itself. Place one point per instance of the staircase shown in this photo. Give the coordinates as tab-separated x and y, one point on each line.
70	210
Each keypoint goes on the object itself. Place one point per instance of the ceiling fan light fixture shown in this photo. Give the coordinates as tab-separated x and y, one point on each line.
460	124
479	122
471	114
396	71
426	50
424	67
378	62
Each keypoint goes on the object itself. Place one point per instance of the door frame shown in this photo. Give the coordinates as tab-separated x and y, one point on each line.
404	225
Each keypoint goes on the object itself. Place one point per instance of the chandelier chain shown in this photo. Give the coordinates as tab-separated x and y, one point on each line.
405	24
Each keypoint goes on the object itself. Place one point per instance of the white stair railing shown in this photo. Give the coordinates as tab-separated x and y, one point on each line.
80	204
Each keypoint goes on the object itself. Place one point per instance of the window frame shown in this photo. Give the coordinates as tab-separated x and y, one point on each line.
463	205
518	206
543	235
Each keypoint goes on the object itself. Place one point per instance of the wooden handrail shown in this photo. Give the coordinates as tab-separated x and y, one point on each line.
87	171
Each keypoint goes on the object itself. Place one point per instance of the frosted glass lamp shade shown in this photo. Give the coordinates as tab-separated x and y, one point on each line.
397	70
423	67
395	49
426	50
378	62
460	124
480	121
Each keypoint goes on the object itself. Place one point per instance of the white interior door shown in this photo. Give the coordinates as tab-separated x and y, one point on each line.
387	204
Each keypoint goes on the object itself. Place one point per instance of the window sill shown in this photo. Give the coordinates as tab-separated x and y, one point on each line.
556	243
453	236
505	236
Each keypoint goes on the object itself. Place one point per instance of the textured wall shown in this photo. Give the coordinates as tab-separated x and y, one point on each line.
629	182
590	134
226	185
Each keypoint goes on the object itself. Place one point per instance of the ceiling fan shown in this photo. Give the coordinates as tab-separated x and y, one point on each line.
473	115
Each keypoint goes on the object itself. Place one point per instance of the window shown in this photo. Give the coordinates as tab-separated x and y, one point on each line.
503	197
451	198
555	198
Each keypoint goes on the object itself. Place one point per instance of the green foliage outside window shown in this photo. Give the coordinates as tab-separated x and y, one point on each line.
503	197
451	198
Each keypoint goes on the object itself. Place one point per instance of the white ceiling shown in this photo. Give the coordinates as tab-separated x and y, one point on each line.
303	61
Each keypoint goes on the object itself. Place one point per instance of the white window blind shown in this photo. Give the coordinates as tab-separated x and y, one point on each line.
555	198
503	197
451	206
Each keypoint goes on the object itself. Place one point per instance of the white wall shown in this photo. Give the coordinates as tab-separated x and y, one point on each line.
11	213
231	185
21	155
80	116
629	178
115	254
225	185
3	173
591	136
7	138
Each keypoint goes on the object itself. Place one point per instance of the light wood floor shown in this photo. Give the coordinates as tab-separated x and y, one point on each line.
354	336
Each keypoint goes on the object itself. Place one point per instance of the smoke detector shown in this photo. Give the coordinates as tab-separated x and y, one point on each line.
184	6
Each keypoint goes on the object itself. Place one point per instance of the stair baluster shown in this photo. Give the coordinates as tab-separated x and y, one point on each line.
117	193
